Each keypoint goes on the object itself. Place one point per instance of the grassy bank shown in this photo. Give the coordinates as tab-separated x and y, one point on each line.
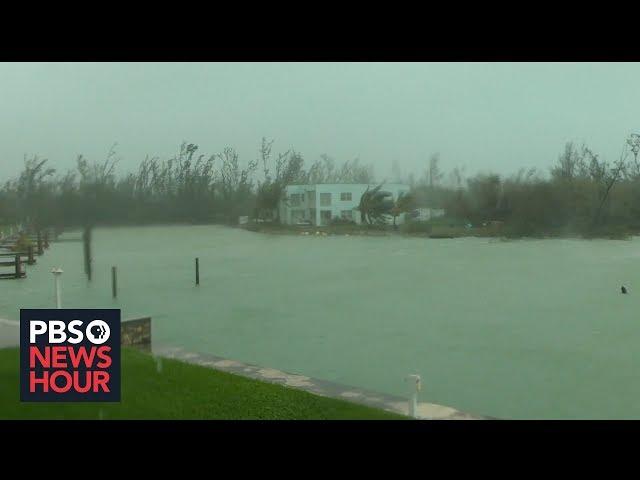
181	391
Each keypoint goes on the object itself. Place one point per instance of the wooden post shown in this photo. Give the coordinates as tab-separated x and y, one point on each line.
114	282
86	238
40	250
31	260
18	266
197	271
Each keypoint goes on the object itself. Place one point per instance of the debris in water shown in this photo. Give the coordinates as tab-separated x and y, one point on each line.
623	289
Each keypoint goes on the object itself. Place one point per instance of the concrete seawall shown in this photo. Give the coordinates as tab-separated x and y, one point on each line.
137	333
391	403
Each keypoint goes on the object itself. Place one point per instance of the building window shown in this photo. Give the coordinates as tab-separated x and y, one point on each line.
295	199
345	196
346	214
325	199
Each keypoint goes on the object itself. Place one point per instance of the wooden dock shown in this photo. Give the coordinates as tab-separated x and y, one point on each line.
14	256
18	269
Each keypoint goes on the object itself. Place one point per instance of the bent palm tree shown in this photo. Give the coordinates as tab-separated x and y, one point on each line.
375	205
404	203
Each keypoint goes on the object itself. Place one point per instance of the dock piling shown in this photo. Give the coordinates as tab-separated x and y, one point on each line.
86	239
18	273
39	240
114	282
197	271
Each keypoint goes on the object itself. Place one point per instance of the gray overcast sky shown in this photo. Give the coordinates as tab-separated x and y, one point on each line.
484	116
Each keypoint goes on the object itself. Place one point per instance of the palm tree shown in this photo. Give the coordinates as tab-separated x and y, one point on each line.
375	205
404	203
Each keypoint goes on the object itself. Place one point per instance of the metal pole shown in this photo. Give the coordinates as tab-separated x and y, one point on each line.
413	395
114	282
56	274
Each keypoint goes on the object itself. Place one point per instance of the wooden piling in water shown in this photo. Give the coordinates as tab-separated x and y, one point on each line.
114	282
18	273
197	271
46	239
40	249
31	260
86	239
18	265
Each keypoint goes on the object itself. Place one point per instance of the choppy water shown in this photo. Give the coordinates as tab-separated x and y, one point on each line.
522	329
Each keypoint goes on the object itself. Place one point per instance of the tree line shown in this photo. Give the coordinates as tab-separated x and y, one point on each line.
582	193
188	187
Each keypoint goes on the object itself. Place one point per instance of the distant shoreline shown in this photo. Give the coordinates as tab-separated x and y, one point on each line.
437	232
423	231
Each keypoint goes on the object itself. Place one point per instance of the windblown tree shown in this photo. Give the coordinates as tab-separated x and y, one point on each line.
455	200
403	204
633	169
34	193
485	193
428	190
192	183
528	203
179	189
583	183
326	171
606	178
288	171
96	188
582	193
236	184
8	205
375	204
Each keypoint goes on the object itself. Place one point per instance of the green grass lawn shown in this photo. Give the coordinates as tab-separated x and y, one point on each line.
181	391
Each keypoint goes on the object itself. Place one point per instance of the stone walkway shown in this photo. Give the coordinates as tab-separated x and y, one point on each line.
391	403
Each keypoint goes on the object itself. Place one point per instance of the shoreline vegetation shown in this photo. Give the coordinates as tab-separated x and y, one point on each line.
428	230
581	195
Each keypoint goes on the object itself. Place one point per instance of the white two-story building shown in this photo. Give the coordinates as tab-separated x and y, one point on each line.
319	204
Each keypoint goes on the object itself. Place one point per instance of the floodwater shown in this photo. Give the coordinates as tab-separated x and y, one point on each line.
518	329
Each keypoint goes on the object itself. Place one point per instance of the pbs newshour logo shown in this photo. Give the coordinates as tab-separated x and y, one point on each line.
70	355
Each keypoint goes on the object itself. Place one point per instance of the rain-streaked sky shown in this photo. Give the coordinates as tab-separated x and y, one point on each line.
481	116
